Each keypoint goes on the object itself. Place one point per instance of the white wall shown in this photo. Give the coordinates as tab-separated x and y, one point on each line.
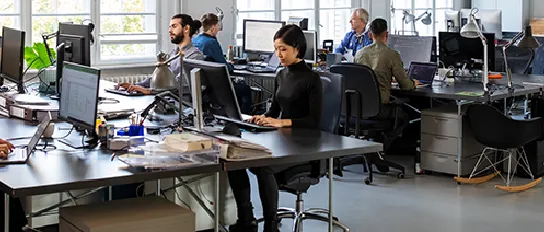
197	8
537	7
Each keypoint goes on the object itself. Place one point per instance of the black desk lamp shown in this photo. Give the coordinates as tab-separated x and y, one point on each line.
527	41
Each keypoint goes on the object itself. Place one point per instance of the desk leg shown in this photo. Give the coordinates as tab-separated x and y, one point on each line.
158	187
216	205
110	193
6	212
331	160
460	134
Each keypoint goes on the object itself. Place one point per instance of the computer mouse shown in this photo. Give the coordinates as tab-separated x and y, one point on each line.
232	129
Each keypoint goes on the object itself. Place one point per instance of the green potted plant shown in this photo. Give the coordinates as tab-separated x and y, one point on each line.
36	57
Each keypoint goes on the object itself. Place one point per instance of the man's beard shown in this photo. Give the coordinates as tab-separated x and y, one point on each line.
178	39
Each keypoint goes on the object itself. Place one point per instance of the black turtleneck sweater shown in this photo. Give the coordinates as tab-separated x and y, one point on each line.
297	96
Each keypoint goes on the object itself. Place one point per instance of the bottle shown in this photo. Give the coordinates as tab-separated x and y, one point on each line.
230	54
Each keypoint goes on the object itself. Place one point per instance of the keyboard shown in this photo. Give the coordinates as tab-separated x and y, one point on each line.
244	124
123	92
240	67
258	69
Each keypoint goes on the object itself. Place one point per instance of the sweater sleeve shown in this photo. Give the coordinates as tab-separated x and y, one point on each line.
315	101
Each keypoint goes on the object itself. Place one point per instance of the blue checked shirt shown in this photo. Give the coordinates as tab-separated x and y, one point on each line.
351	41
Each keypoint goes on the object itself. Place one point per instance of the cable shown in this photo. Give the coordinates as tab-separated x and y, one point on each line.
139	186
182	201
30	65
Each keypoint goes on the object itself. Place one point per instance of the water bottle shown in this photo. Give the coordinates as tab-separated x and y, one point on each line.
230	54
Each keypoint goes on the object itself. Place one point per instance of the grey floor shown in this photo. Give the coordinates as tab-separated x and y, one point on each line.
423	203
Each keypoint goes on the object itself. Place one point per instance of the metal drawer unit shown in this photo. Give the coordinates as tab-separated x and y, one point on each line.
444	136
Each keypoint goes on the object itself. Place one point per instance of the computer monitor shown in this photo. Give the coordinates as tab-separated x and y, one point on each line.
452	21
455	48
79	99
219	91
11	64
311	47
490	21
258	35
77	31
412	48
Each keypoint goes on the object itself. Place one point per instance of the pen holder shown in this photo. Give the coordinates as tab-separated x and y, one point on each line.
136	130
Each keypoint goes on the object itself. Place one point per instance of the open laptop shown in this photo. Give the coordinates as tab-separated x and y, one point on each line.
273	64
424	72
21	155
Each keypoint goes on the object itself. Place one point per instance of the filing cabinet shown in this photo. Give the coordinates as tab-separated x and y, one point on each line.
441	130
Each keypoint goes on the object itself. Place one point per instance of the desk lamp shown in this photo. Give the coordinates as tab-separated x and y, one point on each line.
472	30
163	78
527	41
410	18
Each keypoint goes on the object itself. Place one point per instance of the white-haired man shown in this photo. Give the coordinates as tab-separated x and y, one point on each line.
358	37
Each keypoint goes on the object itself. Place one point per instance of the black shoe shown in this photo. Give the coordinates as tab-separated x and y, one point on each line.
244	226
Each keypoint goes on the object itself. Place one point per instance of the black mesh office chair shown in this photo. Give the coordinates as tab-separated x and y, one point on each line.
361	103
298	179
498	132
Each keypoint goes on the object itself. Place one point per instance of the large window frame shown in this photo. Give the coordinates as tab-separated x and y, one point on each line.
24	16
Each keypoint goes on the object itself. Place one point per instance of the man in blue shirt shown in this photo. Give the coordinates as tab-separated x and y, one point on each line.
207	41
358	37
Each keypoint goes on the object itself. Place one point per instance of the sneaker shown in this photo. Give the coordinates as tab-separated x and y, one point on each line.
244	227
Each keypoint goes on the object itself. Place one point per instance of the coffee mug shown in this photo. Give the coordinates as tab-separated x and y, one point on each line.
48	133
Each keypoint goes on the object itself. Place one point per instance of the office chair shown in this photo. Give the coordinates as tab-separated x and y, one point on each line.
362	103
538	62
298	179
498	132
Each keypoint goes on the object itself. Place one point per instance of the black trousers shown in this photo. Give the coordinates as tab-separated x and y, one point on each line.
268	192
389	112
17	216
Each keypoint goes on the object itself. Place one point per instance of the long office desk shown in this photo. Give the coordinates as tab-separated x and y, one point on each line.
60	171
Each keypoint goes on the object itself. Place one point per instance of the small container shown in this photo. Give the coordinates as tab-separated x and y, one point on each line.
136	130
230	54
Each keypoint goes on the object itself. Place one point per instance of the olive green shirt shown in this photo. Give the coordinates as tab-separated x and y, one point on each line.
387	64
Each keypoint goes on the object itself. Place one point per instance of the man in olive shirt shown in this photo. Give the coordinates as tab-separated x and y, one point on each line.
387	64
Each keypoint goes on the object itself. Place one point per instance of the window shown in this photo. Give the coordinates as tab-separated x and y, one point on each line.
329	17
10	11
128	33
437	8
128	29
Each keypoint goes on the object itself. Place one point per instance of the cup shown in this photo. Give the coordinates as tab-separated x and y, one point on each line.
48	133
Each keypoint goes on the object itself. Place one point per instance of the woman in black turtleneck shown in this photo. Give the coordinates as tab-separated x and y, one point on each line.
296	103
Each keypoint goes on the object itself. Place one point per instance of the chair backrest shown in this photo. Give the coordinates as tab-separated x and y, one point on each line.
362	79
333	84
538	62
492	128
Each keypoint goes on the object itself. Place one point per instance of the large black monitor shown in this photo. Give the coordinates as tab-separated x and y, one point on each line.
311	47
412	48
258	35
454	48
79	99
219	91
70	32
11	64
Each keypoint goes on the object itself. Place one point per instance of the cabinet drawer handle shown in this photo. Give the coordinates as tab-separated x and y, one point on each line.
440	119
440	138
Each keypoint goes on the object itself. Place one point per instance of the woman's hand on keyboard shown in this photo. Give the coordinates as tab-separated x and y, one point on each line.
5	149
256	119
133	88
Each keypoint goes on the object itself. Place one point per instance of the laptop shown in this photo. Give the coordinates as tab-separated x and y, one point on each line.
424	72
21	155
273	64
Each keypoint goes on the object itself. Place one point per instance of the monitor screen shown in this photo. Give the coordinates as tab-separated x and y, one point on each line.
259	35
82	31
455	48
11	66
219	90
311	46
412	48
79	98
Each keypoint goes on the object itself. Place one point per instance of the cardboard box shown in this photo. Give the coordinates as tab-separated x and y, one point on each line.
146	214
537	26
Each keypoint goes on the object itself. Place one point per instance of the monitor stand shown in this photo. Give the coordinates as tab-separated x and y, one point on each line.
78	143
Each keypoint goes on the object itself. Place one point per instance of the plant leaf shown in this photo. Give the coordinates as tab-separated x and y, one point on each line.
42	53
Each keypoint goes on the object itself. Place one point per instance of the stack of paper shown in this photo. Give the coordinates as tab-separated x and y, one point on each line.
241	149
187	142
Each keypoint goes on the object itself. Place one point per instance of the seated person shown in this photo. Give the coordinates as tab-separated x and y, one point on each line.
182	28
17	216
207	41
387	64
297	102
358	37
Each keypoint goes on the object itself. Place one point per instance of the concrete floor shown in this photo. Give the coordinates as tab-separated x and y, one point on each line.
423	203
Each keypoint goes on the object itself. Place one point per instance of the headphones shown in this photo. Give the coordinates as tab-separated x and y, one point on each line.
91	28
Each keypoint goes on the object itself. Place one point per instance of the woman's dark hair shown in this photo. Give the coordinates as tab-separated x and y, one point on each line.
209	20
188	20
293	36
378	27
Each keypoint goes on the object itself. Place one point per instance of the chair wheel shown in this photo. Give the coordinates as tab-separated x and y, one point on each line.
367	181
400	175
